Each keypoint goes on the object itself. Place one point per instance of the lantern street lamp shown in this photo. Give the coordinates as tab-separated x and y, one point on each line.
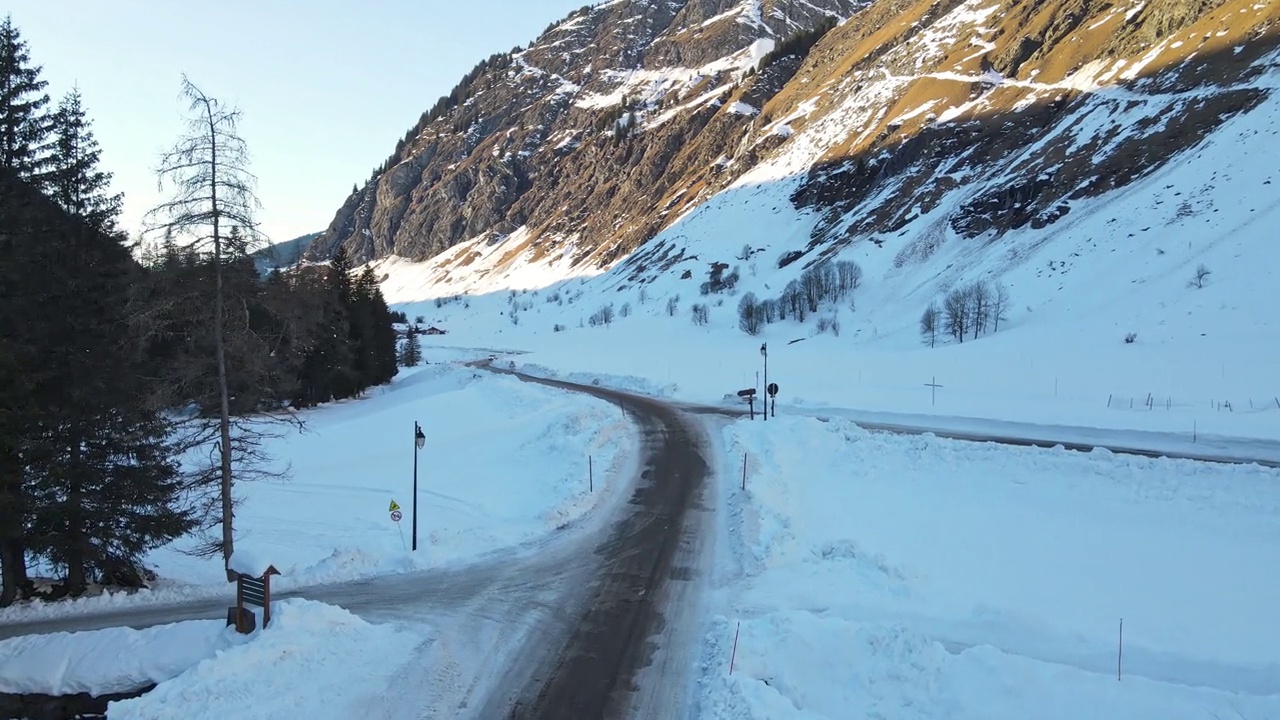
418	441
764	350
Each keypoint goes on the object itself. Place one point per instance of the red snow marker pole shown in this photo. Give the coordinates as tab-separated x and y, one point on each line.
734	655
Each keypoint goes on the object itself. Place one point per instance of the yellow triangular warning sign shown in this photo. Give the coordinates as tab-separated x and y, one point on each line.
394	507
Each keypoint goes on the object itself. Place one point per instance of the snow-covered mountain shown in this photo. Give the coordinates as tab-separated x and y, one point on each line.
628	114
1089	156
606	112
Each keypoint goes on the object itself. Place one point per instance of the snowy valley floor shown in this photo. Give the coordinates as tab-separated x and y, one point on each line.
864	574
915	577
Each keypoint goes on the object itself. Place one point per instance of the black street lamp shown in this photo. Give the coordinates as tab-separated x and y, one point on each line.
418	441
764	350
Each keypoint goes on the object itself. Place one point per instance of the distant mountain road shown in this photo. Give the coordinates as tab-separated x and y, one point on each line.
1260	452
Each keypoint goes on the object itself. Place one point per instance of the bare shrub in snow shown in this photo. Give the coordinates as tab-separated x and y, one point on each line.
603	316
751	316
1200	278
701	314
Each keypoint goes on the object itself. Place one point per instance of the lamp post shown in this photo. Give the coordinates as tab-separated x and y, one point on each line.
764	350
418	441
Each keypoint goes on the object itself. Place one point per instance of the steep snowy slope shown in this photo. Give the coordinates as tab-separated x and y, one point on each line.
1118	262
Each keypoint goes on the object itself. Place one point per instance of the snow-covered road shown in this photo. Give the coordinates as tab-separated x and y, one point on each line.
623	612
556	625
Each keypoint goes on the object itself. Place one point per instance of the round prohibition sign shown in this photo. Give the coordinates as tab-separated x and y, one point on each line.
396	515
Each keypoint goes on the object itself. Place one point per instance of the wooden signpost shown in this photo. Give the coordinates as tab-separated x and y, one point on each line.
251	591
750	395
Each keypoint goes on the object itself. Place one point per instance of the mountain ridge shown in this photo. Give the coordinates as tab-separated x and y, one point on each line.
1004	114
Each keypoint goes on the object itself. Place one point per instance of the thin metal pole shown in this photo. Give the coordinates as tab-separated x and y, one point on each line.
416	430
1120	654
734	655
766	383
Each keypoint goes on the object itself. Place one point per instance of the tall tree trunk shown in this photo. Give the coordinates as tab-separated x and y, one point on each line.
13	556
219	350
76	581
13	566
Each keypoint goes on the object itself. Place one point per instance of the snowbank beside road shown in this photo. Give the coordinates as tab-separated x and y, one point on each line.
109	661
314	660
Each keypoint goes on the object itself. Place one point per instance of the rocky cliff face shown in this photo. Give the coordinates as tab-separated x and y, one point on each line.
555	136
1031	107
989	115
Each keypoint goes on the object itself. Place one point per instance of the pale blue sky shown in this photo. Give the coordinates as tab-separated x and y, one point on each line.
326	87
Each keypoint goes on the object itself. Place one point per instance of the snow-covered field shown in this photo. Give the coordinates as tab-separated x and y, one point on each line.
505	462
916	577
505	465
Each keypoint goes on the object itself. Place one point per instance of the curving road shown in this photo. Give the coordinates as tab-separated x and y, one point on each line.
621	620
596	622
585	611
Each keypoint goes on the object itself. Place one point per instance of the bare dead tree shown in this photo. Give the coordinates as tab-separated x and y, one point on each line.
212	192
999	305
850	275
955	308
751	316
979	295
929	323
701	314
1202	275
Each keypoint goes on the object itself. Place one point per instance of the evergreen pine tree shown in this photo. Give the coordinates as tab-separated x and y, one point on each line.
411	354
96	484
326	370
24	125
340	275
74	179
372	333
384	339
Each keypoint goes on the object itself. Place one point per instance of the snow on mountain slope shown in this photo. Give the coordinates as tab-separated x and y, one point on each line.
1118	263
